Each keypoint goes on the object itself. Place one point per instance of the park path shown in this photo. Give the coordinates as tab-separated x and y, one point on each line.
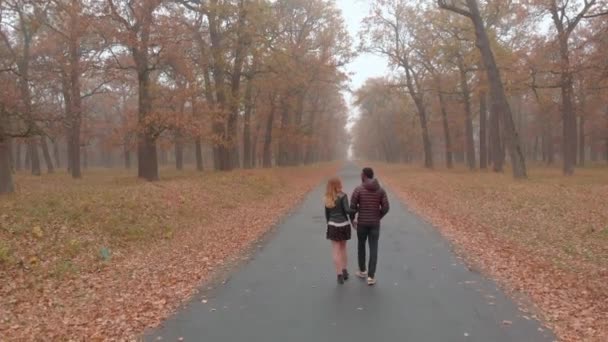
288	292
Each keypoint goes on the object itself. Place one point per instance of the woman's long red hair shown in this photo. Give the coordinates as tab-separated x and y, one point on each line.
334	187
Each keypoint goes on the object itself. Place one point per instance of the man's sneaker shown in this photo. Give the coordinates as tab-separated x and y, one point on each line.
345	274
362	274
371	281
340	279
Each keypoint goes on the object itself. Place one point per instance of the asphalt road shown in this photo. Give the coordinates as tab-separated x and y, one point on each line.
288	291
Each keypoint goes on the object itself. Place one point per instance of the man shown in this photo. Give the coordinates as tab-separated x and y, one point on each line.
371	203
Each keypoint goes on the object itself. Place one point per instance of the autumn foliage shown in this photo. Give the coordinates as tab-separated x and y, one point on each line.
237	83
544	240
487	83
105	258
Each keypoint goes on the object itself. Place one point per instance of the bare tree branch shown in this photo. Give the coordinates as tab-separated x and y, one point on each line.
453	8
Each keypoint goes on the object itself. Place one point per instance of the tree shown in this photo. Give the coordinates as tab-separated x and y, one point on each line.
566	16
136	29
483	134
500	104
27	16
385	128
455	49
13	121
386	32
254	80
70	23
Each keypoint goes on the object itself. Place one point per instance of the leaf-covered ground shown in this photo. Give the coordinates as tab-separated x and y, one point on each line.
104	257
545	238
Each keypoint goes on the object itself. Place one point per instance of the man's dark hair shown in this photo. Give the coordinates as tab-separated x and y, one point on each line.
368	173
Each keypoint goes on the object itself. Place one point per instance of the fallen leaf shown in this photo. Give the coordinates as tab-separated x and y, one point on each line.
150	276
490	218
37	232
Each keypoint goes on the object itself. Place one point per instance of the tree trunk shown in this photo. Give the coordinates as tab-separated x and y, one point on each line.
483	153
535	152
581	141
56	154
18	156
550	149
500	104
74	151
232	159
496	154
70	154
606	147
71	97
23	66
47	155
254	143
221	152
267	153
568	125
446	132
216	126
569	140
28	160
11	157
297	157
285	134
147	156
543	149
85	157
74	148
147	167
179	151
468	120
426	141
34	156
76	102
240	53
198	153
6	175
313	147
247	158
127	154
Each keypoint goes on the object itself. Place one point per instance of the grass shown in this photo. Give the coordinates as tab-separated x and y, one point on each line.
101	250
546	213
113	208
5	254
545	237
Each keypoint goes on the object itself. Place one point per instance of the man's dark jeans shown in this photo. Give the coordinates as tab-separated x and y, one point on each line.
367	232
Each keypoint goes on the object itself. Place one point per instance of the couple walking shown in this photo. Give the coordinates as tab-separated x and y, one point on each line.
368	205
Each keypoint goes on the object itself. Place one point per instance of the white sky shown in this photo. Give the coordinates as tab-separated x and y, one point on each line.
365	65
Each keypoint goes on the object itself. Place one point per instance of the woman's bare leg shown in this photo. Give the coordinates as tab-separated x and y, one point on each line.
344	255
337	256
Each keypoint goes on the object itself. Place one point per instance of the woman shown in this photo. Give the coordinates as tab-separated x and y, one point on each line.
337	213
